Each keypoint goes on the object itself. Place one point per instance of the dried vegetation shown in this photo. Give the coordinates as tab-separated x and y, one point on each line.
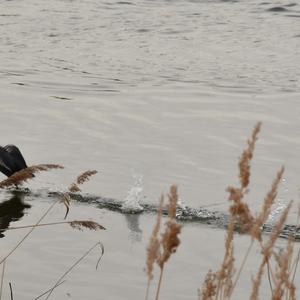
278	268
22	176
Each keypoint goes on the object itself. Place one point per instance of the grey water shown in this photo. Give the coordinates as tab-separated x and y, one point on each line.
149	93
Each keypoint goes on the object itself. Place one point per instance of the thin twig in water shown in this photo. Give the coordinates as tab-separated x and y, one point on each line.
74	265
45	293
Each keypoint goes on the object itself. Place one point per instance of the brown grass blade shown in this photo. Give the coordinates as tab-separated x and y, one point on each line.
22	176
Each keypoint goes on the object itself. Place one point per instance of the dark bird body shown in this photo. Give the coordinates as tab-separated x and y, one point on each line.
11	160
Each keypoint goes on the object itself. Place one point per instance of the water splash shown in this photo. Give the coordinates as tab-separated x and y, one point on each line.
134	196
280	206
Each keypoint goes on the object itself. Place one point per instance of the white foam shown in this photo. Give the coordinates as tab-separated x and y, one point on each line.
134	196
279	207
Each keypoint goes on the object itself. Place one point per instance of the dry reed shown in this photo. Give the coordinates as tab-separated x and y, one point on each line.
22	176
266	208
76	224
284	286
209	287
2	278
60	279
239	209
65	200
160	250
73	188
82	178
169	239
153	249
267	251
220	284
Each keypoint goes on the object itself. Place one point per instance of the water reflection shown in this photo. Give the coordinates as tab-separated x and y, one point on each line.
133	225
12	210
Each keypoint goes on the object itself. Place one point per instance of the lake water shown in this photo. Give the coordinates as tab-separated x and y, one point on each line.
149	93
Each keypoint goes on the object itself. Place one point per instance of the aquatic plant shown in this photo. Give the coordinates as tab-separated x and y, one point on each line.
23	175
82	178
280	267
221	284
160	249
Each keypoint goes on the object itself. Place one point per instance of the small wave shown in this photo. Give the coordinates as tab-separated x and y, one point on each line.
277	9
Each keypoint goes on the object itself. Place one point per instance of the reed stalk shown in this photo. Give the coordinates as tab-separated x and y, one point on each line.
49	292
159	282
2	279
29	232
74	224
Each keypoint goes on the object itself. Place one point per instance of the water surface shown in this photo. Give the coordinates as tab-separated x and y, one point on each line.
165	91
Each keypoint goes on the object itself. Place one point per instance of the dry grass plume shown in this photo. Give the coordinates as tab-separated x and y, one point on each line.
160	250
221	284
22	176
82	178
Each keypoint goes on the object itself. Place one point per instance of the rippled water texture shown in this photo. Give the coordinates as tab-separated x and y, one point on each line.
147	92
77	47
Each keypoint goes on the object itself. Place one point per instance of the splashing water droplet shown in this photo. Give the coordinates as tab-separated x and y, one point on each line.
134	196
278	209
